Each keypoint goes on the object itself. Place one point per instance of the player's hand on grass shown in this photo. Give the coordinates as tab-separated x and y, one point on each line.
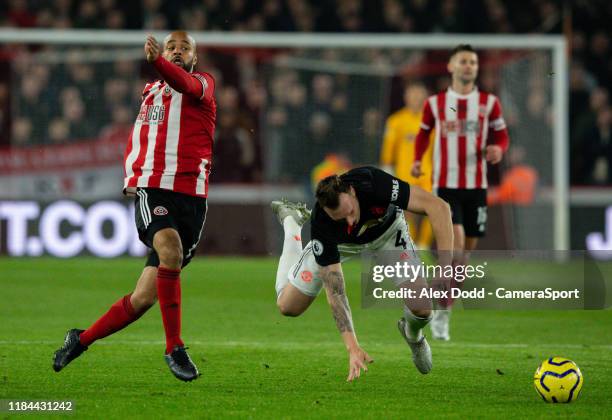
151	48
358	359
493	153
416	169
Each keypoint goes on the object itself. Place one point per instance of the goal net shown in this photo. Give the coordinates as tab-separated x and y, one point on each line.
291	108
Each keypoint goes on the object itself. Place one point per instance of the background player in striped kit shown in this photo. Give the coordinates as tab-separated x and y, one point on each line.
469	132
167	163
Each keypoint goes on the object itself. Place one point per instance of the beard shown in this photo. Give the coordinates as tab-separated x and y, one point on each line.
185	65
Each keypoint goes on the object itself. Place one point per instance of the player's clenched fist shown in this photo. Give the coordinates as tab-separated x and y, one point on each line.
151	49
494	153
416	169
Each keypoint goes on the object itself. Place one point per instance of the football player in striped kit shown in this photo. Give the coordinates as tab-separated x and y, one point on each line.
167	166
469	132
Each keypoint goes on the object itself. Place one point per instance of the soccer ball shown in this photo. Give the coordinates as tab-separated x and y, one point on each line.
558	380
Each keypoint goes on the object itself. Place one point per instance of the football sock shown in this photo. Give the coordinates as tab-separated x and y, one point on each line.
415	324
118	316
169	295
292	248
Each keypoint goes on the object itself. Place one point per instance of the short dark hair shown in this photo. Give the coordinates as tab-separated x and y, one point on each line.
328	191
460	48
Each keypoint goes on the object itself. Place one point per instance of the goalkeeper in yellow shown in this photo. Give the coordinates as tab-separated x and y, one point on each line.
397	153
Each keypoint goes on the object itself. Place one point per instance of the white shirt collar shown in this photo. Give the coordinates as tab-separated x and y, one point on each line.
460	96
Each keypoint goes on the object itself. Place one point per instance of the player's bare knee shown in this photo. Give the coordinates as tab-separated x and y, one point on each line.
422	312
167	244
170	254
171	258
288	310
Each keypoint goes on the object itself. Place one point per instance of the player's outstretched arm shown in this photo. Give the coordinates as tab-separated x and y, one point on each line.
333	281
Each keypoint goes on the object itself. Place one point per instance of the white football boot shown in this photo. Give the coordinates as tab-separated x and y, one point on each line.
439	324
421	352
283	208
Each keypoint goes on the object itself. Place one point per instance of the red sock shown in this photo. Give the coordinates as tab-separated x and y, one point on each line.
120	315
169	295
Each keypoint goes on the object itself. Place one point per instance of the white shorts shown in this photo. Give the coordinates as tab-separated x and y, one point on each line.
304	274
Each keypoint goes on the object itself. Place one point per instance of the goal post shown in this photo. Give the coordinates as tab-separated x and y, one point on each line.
555	77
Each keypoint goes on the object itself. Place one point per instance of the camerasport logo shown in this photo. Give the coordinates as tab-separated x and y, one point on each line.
160	211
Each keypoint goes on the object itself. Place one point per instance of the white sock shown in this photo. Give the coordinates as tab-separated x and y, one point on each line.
292	248
415	324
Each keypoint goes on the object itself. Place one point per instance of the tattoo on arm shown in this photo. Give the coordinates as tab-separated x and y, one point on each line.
334	286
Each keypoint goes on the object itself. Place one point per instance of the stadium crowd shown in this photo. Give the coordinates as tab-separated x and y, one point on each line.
66	95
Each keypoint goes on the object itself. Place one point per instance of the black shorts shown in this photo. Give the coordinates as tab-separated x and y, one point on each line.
468	207
158	209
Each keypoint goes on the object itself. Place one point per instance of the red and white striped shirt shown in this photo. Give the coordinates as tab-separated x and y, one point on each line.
172	140
462	124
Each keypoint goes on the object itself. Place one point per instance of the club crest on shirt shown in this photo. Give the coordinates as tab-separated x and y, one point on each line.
167	91
317	247
160	211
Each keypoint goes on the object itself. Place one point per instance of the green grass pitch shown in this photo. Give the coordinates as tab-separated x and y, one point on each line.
256	363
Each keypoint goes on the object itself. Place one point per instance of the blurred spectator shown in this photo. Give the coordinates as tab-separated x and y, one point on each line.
365	147
599	58
583	147
550	16
82	76
5	117
518	184
322	93
19	15
394	18
598	150
450	18
338	110
116	93
194	19
115	19
318	142
580	85
87	15
332	164
74	114
22	132
276	16
59	131
120	126
234	154
30	106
